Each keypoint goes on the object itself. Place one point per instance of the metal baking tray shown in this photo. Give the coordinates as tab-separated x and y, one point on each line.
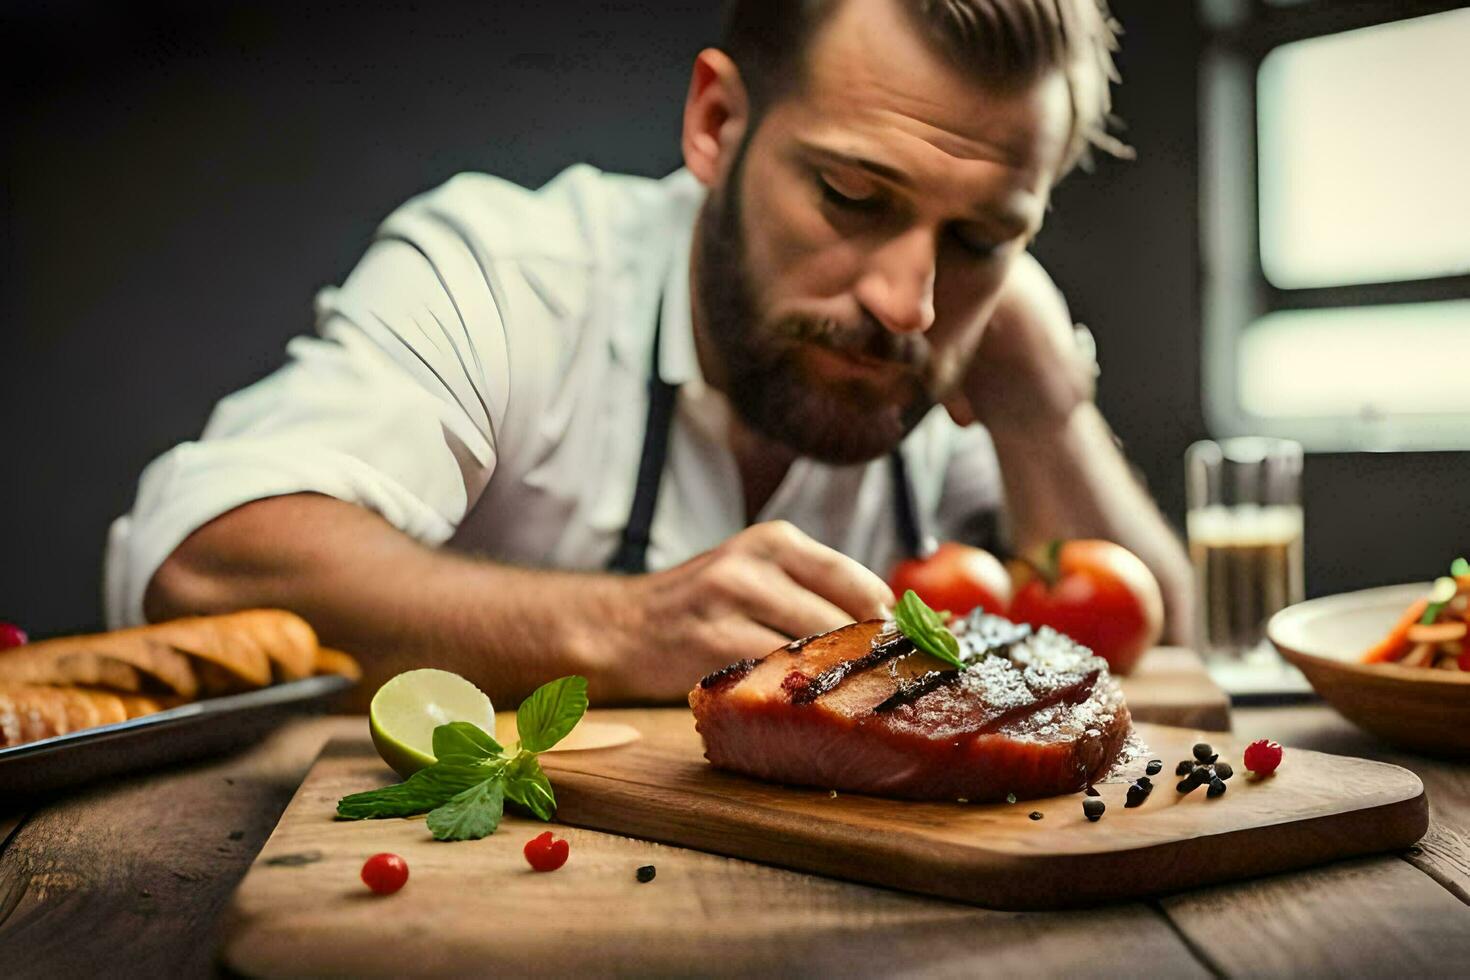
190	731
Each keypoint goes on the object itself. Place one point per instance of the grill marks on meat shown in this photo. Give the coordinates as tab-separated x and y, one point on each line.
830	678
913	690
863	711
728	675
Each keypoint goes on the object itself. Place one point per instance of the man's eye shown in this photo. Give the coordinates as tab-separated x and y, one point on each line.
973	241
848	197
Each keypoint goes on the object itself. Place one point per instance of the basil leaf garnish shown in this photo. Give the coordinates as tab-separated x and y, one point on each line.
526	784
461	738
472	814
423	791
551	711
926	630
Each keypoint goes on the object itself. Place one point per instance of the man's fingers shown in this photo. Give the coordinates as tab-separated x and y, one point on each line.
737	638
830	574
772	598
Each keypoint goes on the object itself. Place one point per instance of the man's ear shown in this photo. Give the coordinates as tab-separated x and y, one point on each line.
716	113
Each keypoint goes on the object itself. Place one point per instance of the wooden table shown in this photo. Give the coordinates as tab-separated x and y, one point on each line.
131	879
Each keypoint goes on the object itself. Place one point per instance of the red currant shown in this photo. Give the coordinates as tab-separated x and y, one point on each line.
545	854
12	635
385	873
1263	756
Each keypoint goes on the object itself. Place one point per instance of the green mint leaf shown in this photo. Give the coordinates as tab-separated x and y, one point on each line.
526	784
926	630
472	814
462	738
423	791
1459	567
550	712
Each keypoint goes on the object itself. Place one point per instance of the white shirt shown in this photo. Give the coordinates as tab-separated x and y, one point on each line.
480	381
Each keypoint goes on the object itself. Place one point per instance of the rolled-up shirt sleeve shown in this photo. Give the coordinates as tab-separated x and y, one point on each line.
393	406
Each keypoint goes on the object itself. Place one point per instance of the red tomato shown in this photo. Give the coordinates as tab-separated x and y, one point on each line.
1101	595
957	578
385	873
11	635
545	854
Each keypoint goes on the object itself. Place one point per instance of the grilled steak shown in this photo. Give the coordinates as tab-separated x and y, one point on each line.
861	709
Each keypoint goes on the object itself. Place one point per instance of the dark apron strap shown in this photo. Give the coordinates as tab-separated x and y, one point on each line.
631	556
915	541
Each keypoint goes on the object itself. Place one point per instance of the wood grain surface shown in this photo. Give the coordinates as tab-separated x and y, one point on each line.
660	788
115	841
130	878
1316	809
1170	686
476	907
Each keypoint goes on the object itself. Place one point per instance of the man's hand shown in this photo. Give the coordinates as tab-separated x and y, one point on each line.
368	588
763	587
1027	375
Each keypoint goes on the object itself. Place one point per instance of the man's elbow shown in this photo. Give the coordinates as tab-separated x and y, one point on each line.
186	585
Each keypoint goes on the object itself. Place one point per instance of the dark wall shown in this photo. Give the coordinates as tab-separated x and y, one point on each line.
180	178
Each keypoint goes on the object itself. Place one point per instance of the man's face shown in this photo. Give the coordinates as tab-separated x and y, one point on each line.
856	248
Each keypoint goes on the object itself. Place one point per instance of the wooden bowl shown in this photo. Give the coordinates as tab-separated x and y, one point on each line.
1417	707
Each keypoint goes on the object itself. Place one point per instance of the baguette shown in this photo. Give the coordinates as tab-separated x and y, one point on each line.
70	683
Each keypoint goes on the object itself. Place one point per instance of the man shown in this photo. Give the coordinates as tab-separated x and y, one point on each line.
638	430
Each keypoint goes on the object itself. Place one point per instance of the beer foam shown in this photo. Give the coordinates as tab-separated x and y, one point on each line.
1244	524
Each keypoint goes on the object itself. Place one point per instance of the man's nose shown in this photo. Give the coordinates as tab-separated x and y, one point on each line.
898	286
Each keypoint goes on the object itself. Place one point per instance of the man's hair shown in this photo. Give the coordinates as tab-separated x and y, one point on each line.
1002	43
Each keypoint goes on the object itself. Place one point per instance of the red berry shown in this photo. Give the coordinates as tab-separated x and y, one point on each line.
1463	661
545	854
385	873
1263	756
12	635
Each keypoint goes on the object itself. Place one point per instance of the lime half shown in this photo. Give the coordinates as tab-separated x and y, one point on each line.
408	708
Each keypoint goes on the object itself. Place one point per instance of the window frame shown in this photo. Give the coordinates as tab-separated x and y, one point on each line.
1235	293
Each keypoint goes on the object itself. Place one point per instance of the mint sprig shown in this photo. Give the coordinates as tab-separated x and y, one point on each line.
470	815
926	630
551	711
465	790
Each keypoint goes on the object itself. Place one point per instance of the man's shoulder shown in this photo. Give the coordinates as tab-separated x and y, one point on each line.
583	216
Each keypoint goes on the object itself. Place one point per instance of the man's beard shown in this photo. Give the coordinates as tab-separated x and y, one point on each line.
832	420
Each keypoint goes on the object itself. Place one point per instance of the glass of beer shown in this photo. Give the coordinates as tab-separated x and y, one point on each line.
1245	538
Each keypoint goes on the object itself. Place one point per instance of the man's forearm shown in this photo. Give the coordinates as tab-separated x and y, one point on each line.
1071	481
369	589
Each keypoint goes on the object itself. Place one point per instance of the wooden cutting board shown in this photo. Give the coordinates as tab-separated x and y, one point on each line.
658	787
1170	686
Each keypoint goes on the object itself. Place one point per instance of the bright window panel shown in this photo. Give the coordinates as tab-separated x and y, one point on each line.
1364	144
1368	361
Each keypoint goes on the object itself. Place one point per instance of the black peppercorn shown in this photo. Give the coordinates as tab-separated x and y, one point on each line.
1184	768
1093	808
1203	752
1217	788
1197	777
1137	793
1035	814
646	873
1223	770
1154	765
